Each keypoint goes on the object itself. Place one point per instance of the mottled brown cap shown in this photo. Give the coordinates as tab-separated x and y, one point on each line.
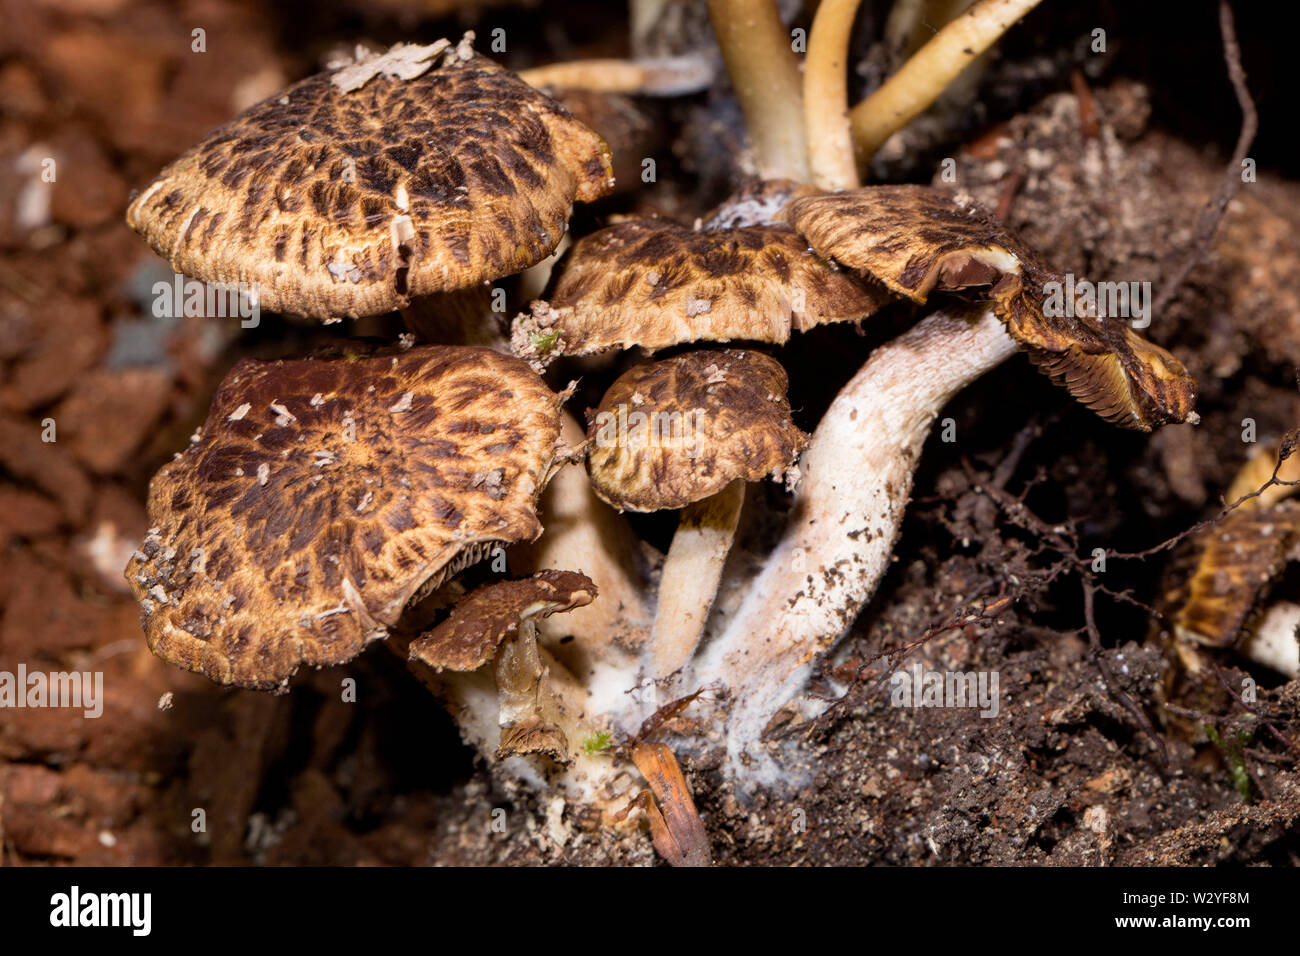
655	283
1122	377
1235	559
677	431
914	239
918	240
482	620
322	494
348	203
630	131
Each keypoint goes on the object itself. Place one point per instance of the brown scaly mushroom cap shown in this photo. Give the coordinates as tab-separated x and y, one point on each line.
322	494
483	619
1238	557
732	421
655	283
630	131
352	191
917	240
914	239
1237	560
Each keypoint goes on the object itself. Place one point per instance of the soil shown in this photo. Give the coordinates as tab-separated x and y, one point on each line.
1105	751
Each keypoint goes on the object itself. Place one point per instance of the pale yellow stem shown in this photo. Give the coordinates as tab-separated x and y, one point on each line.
826	96
662	76
760	60
921	80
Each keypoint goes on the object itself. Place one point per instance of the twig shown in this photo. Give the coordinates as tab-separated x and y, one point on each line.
1087	105
1288	448
1214	210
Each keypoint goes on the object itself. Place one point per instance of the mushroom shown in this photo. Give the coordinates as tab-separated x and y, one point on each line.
428	170
918	240
655	283
687	433
602	641
826	96
322	496
758	203
858	469
1236	559
498	621
631	132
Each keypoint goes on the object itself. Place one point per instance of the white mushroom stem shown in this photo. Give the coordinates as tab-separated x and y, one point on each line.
1275	641
856	481
764	72
582	533
653	76
921	80
826	96
690	577
474	701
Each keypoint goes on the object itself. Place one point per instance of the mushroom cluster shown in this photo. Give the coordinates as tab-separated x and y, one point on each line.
351	497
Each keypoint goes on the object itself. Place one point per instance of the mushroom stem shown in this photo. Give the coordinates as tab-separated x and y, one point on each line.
826	96
585	534
654	76
1275	640
691	572
529	719
857	476
921	80
474	700
765	75
912	23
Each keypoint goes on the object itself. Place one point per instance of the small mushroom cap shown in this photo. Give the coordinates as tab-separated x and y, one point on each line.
630	131
1120	375
914	239
321	494
348	203
677	431
655	283
1238	558
917	240
483	619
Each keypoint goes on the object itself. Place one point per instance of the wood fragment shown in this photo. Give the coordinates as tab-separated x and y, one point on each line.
675	826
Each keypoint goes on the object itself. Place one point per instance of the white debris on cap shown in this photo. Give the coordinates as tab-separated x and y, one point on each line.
403	61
